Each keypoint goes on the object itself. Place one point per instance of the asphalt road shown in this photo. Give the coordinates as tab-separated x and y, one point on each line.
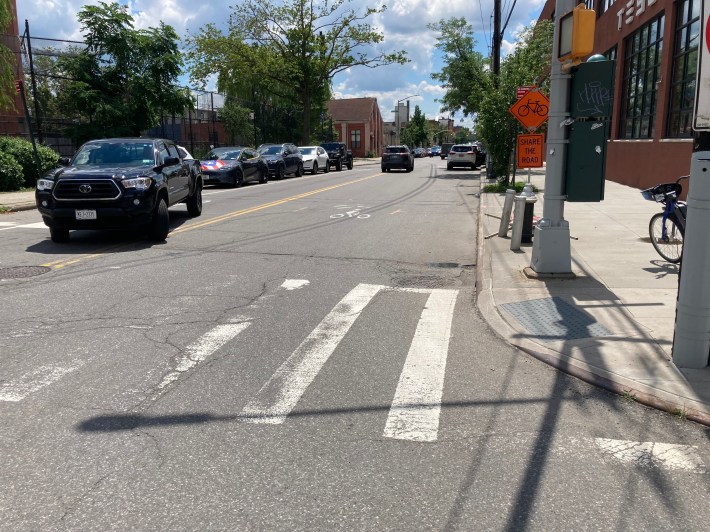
306	355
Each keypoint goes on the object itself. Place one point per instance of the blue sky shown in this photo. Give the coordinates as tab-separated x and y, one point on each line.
404	25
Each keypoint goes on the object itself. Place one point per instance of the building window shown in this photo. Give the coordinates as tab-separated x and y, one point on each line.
642	64
685	62
605	5
355	138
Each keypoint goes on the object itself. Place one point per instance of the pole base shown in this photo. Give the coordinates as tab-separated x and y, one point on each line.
551	248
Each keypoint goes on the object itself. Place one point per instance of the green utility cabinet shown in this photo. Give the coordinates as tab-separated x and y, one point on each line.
590	106
586	158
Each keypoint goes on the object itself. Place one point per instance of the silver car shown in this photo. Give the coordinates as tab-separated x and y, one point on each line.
314	158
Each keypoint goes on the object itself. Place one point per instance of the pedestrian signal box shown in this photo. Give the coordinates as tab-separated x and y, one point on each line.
576	34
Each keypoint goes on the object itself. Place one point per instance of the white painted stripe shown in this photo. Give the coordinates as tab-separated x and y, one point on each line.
32	381
277	398
207	345
414	414
7	224
294	284
652	454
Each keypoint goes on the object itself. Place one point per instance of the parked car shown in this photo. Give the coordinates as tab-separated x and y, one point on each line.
463	155
314	159
434	151
184	153
282	159
233	166
419	152
481	153
397	157
118	184
445	147
339	155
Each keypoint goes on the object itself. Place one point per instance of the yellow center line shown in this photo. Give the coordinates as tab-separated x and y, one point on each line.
61	263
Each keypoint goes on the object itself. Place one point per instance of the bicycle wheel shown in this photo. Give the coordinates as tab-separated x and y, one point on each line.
524	110
670	247
541	110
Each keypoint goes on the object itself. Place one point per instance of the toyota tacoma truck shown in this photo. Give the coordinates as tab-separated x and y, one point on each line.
339	155
119	184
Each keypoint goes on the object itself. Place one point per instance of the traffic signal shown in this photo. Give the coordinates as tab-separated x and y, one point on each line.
576	34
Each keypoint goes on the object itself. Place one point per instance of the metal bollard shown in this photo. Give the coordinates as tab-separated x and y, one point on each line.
528	219
507	209
518	216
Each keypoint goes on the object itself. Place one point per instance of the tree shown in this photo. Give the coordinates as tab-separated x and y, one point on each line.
417	131
124	79
7	60
464	75
290	51
528	64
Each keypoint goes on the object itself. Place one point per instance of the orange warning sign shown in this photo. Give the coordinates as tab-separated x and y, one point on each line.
530	150
531	110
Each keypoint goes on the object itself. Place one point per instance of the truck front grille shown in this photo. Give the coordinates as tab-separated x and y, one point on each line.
86	189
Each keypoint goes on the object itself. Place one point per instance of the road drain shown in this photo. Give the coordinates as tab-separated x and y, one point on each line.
18	272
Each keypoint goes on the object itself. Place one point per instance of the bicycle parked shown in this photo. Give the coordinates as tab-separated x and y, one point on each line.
667	228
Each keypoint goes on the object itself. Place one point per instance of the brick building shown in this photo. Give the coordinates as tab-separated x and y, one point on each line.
655	45
358	123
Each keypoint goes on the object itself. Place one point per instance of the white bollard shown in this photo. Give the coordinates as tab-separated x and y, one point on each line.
507	209
517	234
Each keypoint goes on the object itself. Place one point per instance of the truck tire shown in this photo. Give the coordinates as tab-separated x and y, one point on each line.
339	165
160	224
60	236
194	201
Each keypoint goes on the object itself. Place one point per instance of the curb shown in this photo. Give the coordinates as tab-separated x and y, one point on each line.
18	208
486	306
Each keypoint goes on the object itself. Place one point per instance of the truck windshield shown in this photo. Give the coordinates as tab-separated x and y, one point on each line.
115	153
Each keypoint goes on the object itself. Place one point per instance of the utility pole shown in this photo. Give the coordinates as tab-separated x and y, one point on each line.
496	40
38	118
551	248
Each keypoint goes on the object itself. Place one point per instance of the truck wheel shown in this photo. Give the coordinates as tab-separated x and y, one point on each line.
60	236
194	202
350	164
339	165
160	224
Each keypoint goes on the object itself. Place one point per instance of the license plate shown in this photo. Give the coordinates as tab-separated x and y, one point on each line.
461	155
85	214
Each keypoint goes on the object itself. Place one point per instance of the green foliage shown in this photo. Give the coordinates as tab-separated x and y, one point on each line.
500	188
464	72
463	135
471	89
528	64
124	78
11	177
7	61
288	52
21	152
237	122
417	131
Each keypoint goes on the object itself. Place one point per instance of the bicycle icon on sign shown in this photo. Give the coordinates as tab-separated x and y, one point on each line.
534	107
354	213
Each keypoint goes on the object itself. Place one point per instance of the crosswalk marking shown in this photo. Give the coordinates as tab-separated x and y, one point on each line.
16	390
414	414
290	381
4	226
208	344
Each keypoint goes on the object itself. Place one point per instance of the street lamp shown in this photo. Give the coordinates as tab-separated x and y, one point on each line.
397	120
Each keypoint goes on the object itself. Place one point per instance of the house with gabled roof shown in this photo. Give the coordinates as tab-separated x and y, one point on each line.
358	123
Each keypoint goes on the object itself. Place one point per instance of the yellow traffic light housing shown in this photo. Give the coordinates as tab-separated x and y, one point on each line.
576	34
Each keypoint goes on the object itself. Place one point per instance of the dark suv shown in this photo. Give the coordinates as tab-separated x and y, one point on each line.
397	157
282	159
117	184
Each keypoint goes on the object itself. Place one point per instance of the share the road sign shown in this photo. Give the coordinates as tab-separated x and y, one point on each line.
530	150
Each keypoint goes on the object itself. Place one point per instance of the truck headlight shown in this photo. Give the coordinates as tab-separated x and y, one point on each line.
45	184
139	183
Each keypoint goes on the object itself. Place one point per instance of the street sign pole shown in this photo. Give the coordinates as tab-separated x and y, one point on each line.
551	242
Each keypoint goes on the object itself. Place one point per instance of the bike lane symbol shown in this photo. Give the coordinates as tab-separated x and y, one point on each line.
531	110
355	211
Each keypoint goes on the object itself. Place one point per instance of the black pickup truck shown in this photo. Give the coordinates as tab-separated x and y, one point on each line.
339	155
119	184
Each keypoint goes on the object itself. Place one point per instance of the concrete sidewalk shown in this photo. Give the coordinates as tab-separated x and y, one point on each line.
612	325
